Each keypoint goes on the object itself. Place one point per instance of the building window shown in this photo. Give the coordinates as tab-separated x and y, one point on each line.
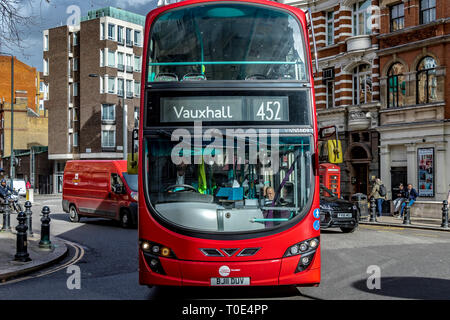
111	59
108	112
46	67
75	89
137	89
102	31
75	139
120	35
330	28
137	63
360	18
75	64
129	88
111	33
129	63
426	81
108	138
427	11
128	39
111	85
46	42
120	84
137	38
330	93
362	84
120	62
397	14
396	86
75	38
102	84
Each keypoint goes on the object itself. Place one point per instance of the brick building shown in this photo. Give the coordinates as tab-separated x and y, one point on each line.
415	99
88	70
347	84
26	79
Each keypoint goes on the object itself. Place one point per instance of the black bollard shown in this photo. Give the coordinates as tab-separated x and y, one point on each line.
22	244
45	229
406	215
6	217
29	213
373	211
445	215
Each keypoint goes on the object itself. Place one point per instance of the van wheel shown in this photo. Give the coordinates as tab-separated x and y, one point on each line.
73	214
125	219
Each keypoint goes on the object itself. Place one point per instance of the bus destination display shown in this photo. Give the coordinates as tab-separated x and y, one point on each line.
211	109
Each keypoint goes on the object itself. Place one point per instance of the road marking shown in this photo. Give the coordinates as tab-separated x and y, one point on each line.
79	253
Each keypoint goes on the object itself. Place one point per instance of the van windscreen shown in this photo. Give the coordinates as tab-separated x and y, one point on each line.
131	180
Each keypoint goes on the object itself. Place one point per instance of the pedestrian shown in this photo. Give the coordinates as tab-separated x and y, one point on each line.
379	194
401	197
411	196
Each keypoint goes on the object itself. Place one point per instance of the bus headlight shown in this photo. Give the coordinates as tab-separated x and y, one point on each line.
156	249
302	247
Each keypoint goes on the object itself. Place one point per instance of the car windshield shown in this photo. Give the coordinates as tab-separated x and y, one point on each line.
226	42
131	180
243	185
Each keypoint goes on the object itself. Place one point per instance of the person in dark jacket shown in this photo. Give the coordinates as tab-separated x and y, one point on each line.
4	190
411	195
401	197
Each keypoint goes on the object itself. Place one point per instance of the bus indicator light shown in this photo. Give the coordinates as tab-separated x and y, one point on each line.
165	252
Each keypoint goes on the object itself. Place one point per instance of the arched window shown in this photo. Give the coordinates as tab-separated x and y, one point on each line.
396	86
426	80
362	84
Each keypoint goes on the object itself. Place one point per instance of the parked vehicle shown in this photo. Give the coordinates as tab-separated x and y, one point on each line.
100	188
336	212
19	186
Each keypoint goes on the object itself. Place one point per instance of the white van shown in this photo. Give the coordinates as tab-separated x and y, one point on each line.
19	185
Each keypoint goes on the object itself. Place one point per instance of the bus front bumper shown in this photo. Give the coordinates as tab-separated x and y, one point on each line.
199	273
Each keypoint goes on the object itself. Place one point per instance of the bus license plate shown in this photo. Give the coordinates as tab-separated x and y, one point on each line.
344	215
242	281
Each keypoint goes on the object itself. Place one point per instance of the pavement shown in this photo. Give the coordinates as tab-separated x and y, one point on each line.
416	223
40	258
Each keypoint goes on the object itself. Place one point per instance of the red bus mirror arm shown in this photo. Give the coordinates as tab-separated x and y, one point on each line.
311	24
134	137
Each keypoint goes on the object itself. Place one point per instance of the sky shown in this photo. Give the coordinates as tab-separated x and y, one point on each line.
46	14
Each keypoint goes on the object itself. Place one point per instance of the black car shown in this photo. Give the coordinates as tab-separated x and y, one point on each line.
335	212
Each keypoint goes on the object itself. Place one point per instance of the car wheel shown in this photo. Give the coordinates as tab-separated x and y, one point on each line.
348	229
125	219
73	214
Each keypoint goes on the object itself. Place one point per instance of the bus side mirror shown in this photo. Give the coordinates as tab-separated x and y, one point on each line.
335	151
132	163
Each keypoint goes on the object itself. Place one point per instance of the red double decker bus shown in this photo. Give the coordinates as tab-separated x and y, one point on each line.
228	188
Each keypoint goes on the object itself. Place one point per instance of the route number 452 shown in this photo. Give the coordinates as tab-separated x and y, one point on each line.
269	110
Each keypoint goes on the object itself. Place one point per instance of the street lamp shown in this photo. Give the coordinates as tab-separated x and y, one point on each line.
11	166
124	118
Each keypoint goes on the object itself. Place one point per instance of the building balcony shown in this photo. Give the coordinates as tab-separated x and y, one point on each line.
356	43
